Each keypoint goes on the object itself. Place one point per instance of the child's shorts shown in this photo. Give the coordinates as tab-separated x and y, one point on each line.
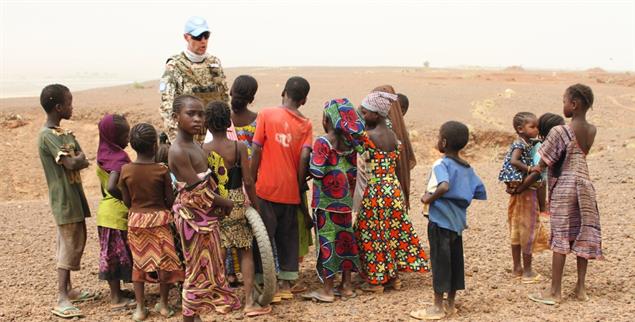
71	239
446	256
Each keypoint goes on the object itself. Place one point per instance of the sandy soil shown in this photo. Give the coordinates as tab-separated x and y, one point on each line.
486	100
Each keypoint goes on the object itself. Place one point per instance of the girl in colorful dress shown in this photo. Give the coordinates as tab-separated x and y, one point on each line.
243	92
333	168
146	188
197	210
229	162
526	231
386	238
574	215
115	259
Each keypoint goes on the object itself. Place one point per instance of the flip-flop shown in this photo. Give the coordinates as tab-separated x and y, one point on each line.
532	280
146	312
67	312
298	288
372	288
258	311
157	309
315	296
395	284
223	309
540	299
424	315
85	296
285	295
127	304
276	299
338	292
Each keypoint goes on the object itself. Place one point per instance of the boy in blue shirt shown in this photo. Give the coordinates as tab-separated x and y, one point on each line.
456	185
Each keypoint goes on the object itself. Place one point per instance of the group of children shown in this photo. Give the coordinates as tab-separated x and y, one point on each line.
177	212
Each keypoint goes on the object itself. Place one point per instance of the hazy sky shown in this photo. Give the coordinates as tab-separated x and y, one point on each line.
132	39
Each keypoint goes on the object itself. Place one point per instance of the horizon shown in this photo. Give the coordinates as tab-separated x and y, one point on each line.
64	40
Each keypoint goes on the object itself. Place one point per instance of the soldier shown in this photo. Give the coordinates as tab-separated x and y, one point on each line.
194	72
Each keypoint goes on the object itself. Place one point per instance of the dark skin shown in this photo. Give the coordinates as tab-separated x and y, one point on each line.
385	140
527	131
227	150
75	161
186	158
168	199
427	199
346	287
585	136
113	178
243	117
293	106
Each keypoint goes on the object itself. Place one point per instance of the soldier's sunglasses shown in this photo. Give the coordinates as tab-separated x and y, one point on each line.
201	36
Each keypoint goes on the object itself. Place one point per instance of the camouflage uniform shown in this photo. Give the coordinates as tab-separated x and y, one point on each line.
205	80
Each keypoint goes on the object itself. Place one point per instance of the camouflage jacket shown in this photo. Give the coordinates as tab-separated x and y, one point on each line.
206	80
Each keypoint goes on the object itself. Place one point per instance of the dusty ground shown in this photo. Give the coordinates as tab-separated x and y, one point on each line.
486	100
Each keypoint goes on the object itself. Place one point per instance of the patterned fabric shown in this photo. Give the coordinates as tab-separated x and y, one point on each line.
204	287
338	250
379	102
575	218
205	80
344	117
509	173
234	229
524	223
386	238
246	134
115	259
153	250
335	174
150	219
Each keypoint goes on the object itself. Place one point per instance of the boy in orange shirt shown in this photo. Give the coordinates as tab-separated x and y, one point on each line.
282	145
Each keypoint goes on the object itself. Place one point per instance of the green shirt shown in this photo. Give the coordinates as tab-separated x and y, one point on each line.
111	213
66	194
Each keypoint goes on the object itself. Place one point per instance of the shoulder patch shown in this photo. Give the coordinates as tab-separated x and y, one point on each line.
162	86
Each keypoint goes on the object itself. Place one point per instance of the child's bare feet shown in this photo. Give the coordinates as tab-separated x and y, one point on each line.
430	313
545	298
580	293
165	310
140	314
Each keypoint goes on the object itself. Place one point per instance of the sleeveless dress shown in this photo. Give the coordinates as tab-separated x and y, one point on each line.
385	236
575	219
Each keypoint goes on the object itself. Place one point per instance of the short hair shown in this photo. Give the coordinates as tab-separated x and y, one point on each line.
218	116
164	146
521	118
143	138
52	95
548	121
243	92
581	93
403	101
456	135
183	100
297	88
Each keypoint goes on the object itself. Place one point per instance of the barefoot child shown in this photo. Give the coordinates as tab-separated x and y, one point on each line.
527	234
62	158
197	210
115	259
333	167
574	216
546	122
146	188
386	238
456	186
229	162
283	141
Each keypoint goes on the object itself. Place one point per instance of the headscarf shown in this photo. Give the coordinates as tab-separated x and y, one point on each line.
379	102
344	117
110	156
407	159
